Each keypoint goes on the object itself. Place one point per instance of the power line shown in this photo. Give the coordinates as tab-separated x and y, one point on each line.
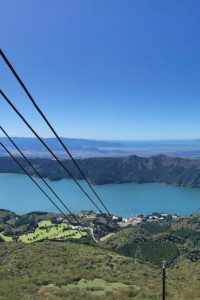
38	109
55	133
49	197
49	125
56	158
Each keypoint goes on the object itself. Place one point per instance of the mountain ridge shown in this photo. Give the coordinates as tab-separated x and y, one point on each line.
106	170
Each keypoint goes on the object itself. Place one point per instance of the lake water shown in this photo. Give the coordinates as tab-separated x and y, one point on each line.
19	194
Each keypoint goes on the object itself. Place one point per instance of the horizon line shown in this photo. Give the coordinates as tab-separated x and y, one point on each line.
107	140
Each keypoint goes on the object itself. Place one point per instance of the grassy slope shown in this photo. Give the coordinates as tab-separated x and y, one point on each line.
29	271
54	270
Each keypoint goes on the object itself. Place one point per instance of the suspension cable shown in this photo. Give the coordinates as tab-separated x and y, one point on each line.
50	126
56	158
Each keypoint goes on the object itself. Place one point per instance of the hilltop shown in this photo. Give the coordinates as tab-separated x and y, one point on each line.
160	169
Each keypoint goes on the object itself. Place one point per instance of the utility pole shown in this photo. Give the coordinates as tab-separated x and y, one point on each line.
163	280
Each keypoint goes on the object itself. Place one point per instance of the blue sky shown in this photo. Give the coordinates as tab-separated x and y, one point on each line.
117	69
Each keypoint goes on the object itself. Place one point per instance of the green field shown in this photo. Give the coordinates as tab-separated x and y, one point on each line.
48	231
6	238
46	224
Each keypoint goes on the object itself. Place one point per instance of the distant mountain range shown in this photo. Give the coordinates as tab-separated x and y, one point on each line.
80	147
104	170
84	148
35	145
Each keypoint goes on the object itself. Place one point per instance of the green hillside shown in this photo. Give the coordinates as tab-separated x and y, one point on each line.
43	258
161	168
60	270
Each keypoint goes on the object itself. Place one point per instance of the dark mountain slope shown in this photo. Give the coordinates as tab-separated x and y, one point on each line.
161	168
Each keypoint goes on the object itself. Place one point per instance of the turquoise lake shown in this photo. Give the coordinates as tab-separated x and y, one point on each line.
19	194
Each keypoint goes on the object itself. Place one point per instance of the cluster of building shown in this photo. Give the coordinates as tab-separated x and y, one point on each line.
136	220
160	217
133	220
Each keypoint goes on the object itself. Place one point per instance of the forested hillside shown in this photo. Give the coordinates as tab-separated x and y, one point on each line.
161	168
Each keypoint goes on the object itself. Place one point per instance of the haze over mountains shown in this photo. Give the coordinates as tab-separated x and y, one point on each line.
85	148
79	147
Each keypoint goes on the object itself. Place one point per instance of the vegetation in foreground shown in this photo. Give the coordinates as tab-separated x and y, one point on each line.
65	270
73	269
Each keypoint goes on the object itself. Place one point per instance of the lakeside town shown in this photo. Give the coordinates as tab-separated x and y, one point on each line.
133	220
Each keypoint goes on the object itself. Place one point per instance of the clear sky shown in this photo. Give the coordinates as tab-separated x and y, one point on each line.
103	69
